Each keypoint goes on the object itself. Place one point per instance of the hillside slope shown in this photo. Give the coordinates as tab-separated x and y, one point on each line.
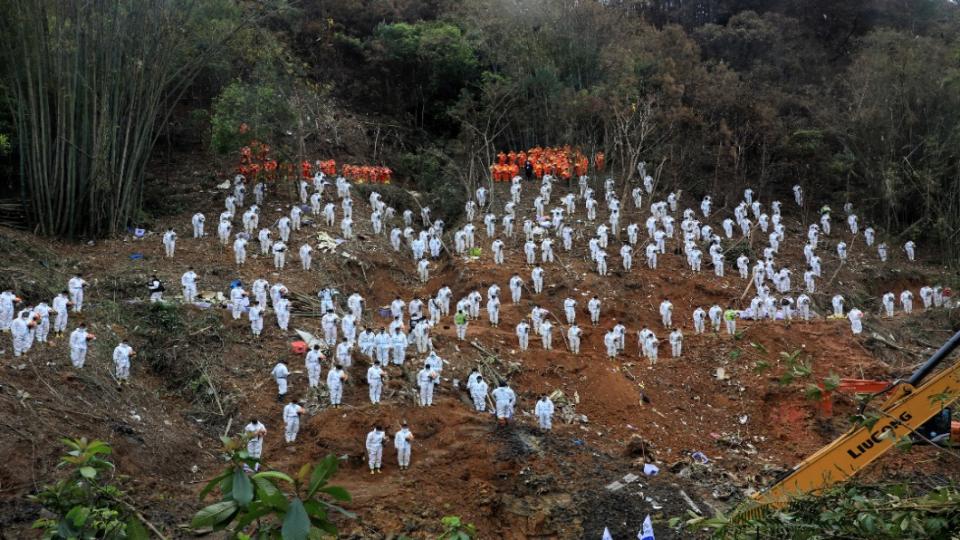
201	374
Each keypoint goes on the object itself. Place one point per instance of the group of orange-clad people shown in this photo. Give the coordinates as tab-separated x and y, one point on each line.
563	162
361	174
256	163
255	160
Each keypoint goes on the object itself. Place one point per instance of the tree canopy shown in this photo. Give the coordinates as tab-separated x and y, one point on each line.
851	99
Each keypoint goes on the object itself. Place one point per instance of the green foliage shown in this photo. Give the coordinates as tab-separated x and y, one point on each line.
165	317
943	398
849	511
796	368
867	420
434	175
423	167
455	529
423	66
106	76
790	357
85	504
906	98
761	366
253	505
806	142
261	106
831	382
815	392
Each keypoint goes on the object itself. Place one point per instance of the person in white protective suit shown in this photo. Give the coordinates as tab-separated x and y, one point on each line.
544	413
504	399
403	442
374	445
291	419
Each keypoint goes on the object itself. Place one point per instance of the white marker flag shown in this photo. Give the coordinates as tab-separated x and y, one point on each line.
647	532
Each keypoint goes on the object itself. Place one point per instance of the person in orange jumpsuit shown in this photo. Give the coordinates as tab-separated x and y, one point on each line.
598	161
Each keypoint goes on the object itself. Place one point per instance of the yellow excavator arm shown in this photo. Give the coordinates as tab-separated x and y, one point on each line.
909	407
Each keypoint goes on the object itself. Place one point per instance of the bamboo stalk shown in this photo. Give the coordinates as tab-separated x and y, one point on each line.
86	129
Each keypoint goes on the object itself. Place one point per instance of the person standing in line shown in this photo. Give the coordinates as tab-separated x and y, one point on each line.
78	345
544	412
374	444
280	374
121	361
291	418
730	318
403	442
255	432
335	379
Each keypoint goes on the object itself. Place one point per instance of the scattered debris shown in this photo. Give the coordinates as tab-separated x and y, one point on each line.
614	486
566	409
693	506
326	243
637	446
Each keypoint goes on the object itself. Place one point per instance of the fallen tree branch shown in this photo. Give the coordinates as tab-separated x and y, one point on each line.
876	337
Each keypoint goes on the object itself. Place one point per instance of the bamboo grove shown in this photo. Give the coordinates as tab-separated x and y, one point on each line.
91	82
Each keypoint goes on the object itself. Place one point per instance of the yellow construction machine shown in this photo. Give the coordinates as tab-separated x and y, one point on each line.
913	408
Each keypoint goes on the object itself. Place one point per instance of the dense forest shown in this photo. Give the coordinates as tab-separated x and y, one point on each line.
855	100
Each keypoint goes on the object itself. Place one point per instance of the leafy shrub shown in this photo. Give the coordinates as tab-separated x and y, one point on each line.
849	511
254	502
262	107
84	503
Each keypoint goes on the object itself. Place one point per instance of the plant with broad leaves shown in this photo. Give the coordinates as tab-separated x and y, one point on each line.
882	511
85	504
831	382
253	505
815	392
455	529
796	367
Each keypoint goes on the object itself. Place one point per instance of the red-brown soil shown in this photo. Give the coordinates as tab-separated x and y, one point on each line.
512	482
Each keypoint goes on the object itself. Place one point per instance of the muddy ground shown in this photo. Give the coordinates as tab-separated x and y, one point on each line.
205	375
